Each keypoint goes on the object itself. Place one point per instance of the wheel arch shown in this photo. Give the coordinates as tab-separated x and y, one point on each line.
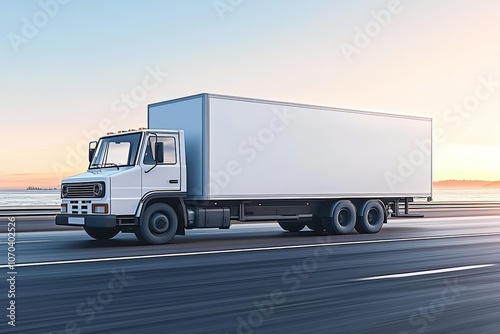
174	200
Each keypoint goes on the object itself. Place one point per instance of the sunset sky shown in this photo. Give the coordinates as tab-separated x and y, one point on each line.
73	70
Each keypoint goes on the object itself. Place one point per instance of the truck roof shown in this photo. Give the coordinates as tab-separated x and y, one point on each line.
141	130
282	103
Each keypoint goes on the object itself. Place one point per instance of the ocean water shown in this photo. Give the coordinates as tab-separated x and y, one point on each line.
53	197
16	197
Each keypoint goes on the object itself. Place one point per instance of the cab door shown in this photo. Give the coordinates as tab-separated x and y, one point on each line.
161	176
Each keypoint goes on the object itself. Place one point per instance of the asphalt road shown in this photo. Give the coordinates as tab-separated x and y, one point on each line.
432	275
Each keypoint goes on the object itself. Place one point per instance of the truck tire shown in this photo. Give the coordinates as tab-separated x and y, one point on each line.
292	226
101	233
341	218
158	224
316	225
372	217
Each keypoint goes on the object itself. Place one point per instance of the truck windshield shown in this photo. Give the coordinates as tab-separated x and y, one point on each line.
116	151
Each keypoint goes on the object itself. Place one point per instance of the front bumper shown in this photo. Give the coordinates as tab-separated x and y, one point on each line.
86	220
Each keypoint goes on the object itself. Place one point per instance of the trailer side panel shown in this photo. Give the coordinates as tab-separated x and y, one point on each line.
284	151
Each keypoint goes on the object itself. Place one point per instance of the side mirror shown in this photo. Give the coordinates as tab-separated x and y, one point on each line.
92	148
159	152
91	154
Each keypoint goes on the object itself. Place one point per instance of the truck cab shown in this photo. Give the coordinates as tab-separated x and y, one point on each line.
126	170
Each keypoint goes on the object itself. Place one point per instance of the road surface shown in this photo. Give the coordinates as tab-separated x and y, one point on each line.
432	275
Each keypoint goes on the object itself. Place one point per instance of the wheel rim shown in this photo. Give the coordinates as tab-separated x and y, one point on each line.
344	217
372	217
159	223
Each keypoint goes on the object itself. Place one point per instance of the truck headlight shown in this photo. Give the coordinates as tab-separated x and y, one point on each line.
98	189
64	190
64	208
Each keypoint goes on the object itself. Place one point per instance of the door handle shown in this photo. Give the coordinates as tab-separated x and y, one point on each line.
173	181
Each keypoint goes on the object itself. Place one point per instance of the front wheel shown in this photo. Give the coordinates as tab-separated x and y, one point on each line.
158	224
100	233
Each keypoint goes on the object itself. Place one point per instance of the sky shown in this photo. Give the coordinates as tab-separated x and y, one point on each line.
71	71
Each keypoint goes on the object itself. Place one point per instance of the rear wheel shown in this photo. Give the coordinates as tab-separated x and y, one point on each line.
292	226
158	224
342	218
372	218
100	233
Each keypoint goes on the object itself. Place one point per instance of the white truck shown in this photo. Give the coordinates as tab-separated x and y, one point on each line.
208	160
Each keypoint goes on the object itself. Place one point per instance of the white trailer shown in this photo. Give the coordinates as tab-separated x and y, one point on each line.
207	160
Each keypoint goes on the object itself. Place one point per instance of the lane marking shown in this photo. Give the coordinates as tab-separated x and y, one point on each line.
426	272
246	250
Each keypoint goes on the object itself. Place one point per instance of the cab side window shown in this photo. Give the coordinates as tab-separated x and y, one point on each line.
169	153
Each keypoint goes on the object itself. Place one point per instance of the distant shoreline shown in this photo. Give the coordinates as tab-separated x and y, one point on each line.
466	184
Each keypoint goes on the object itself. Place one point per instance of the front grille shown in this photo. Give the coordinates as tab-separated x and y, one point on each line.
79	190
